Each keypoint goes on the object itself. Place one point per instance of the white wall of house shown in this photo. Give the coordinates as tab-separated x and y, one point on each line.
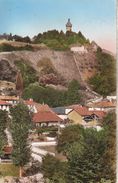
79	49
67	110
96	109
110	98
47	124
64	117
32	108
4	107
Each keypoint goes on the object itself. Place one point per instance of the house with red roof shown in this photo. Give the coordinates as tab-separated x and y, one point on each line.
5	105
10	99
71	107
33	106
81	115
104	105
46	117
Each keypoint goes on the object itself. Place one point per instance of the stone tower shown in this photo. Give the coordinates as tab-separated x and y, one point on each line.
69	26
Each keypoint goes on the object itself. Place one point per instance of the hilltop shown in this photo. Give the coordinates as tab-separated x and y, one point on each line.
51	63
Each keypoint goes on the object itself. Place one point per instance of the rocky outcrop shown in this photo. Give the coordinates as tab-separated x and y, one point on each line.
7	72
63	62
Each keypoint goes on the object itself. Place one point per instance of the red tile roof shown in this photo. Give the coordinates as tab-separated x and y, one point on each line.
32	103
100	114
4	103
104	104
83	111
46	117
45	114
45	107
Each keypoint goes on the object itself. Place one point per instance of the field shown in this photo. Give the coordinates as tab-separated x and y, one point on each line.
8	170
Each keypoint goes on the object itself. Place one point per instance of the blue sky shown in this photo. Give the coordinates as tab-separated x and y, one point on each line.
96	19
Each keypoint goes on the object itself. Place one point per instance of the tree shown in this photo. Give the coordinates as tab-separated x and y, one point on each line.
104	81
19	83
20	125
109	123
73	95
26	74
86	151
49	164
68	136
85	158
3	125
53	169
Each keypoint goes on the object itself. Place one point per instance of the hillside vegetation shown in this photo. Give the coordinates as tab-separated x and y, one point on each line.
53	97
104	81
56	64
59	40
5	47
91	155
28	73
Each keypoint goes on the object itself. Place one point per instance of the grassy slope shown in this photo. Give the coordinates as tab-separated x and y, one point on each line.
8	170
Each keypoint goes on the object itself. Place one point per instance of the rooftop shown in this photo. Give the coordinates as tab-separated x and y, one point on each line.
46	117
5	97
103	104
4	103
45	114
83	111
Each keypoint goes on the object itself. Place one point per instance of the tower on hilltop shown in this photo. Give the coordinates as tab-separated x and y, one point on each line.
69	26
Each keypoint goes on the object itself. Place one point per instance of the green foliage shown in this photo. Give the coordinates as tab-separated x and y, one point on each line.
105	181
73	95
68	136
109	123
53	169
28	73
20	125
53	97
46	129
104	81
85	157
88	153
60	41
3	125
49	164
7	47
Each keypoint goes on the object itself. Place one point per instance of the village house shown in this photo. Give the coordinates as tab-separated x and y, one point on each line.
5	105
61	112
104	105
10	99
33	106
81	115
46	117
78	49
71	107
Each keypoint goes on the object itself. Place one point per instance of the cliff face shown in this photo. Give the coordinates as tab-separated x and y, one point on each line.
7	71
68	65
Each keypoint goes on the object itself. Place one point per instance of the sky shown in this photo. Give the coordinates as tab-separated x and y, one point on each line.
96	19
